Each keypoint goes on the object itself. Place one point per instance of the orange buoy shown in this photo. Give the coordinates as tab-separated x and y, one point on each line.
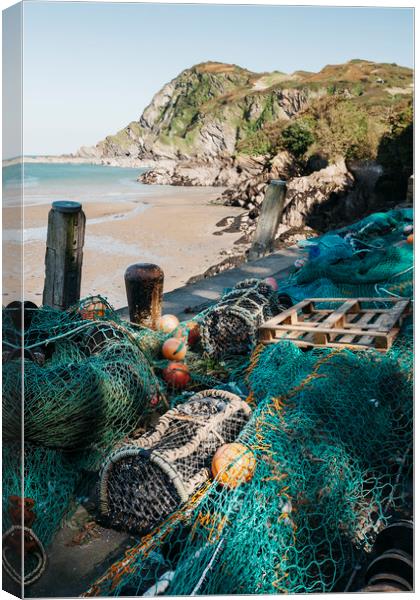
233	464
174	349
168	323
176	375
93	311
193	333
410	238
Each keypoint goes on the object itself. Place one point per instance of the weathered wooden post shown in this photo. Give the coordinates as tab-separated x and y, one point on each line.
410	190
144	287
269	219
64	255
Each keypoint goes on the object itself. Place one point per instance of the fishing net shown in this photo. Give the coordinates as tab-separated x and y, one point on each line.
143	483
87	384
231	326
369	258
49	483
331	433
332	437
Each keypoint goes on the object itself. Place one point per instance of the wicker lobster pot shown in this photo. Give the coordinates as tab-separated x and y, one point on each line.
142	484
231	326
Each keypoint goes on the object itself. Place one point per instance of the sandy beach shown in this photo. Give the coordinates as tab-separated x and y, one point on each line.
174	229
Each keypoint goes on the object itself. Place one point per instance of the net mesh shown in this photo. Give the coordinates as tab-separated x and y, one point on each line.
330	431
377	261
333	465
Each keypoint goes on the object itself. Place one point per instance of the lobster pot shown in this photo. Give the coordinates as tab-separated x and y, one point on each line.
141	484
231	326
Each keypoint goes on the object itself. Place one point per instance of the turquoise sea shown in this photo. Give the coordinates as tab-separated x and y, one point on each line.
45	182
126	222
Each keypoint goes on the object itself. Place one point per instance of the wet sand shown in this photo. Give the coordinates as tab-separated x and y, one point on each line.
174	231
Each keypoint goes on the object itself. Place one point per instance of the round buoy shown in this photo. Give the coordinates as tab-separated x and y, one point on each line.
92	311
174	349
168	323
410	238
233	464
176	375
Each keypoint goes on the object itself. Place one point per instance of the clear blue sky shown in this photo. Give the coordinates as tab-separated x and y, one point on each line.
89	69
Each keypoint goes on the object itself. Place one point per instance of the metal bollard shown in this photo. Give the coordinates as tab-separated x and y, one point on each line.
144	287
64	255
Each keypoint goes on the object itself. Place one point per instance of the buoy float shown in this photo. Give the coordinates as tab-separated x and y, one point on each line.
174	349
168	323
410	239
93	311
176	375
154	400
193	333
233	464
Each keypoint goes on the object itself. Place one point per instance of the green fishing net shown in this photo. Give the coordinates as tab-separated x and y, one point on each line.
86	383
331	431
332	437
370	258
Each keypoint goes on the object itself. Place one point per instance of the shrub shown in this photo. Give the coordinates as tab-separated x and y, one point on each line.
345	130
297	137
358	89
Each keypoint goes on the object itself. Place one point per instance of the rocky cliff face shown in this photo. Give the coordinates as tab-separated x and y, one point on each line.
333	135
202	114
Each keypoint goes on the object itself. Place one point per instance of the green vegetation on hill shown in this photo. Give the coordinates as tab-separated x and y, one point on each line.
354	110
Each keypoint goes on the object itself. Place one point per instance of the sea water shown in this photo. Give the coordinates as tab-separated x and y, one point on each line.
45	182
111	242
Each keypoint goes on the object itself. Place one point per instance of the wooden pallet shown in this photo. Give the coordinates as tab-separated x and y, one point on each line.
348	324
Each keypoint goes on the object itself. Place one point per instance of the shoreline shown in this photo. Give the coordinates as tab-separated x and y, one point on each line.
117	161
179	231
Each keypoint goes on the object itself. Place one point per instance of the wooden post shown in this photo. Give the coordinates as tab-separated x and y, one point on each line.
64	255
410	190
144	287
269	219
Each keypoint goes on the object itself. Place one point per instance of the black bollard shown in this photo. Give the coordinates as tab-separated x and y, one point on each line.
144	287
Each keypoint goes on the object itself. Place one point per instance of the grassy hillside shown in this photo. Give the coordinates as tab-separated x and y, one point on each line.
219	109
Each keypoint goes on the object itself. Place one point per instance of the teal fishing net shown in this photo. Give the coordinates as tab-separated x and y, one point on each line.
50	478
39	500
331	430
332	437
370	258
